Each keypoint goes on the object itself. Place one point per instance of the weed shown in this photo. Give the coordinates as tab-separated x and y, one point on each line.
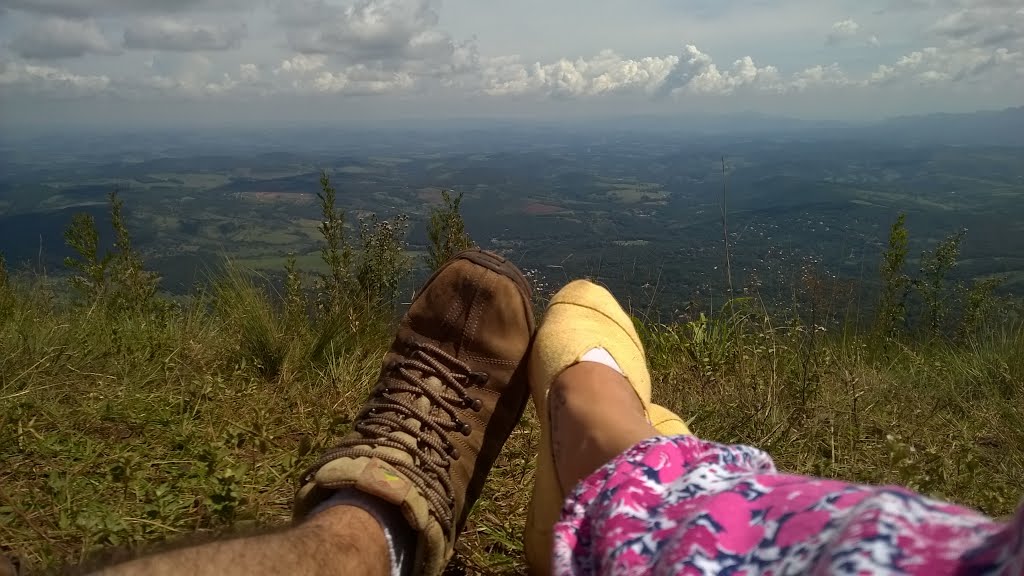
892	308
334	288
446	231
114	280
382	263
932	286
90	268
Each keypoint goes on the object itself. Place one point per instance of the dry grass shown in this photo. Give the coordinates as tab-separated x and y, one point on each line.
121	431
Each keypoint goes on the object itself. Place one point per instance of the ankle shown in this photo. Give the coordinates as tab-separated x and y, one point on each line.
594	415
596	391
350	535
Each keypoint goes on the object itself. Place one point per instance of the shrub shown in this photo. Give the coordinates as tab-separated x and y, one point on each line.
446	231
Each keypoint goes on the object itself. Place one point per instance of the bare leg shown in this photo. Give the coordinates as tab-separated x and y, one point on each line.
341	540
595	416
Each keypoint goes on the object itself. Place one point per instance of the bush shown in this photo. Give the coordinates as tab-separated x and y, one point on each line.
115	280
446	231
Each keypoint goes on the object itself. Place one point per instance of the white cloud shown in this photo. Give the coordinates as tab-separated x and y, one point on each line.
959	24
842	31
605	73
49	80
194	76
302	63
370	47
87	8
362	80
56	38
692	73
400	35
249	72
365	29
907	67
182	36
985	22
819	76
698	74
850	32
313	73
933	64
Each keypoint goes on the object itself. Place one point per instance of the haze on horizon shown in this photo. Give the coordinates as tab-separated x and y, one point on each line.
168	63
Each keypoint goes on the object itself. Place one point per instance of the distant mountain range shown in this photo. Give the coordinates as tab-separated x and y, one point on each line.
1001	128
996	128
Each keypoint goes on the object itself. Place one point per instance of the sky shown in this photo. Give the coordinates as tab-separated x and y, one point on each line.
177	62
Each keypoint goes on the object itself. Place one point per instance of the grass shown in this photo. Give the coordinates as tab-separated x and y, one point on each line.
119	431
122	427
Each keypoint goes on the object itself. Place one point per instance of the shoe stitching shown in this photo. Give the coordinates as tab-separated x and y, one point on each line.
476	312
496	361
617	323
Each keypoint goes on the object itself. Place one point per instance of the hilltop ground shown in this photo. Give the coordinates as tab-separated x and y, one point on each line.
126	419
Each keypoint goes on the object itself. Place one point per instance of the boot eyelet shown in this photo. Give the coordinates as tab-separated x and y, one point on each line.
465	429
473	404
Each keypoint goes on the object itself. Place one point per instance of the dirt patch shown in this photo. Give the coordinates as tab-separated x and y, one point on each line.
541	209
430	196
297	198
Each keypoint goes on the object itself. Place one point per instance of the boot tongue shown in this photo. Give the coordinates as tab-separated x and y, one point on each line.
375	476
423	406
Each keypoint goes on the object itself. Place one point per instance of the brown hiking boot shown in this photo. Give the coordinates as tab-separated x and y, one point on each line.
450	393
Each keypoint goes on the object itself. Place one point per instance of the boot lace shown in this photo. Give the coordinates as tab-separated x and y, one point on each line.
392	409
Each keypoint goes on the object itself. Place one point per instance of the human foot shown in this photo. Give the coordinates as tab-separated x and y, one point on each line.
582	318
449	395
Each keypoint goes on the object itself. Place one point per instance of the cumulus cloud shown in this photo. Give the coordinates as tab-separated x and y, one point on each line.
366	29
350	47
182	36
249	72
56	38
697	73
842	31
87	8
301	64
398	35
846	32
971	39
605	73
819	76
195	76
691	73
983	22
313	73
933	64
910	66
959	24
361	79
49	80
